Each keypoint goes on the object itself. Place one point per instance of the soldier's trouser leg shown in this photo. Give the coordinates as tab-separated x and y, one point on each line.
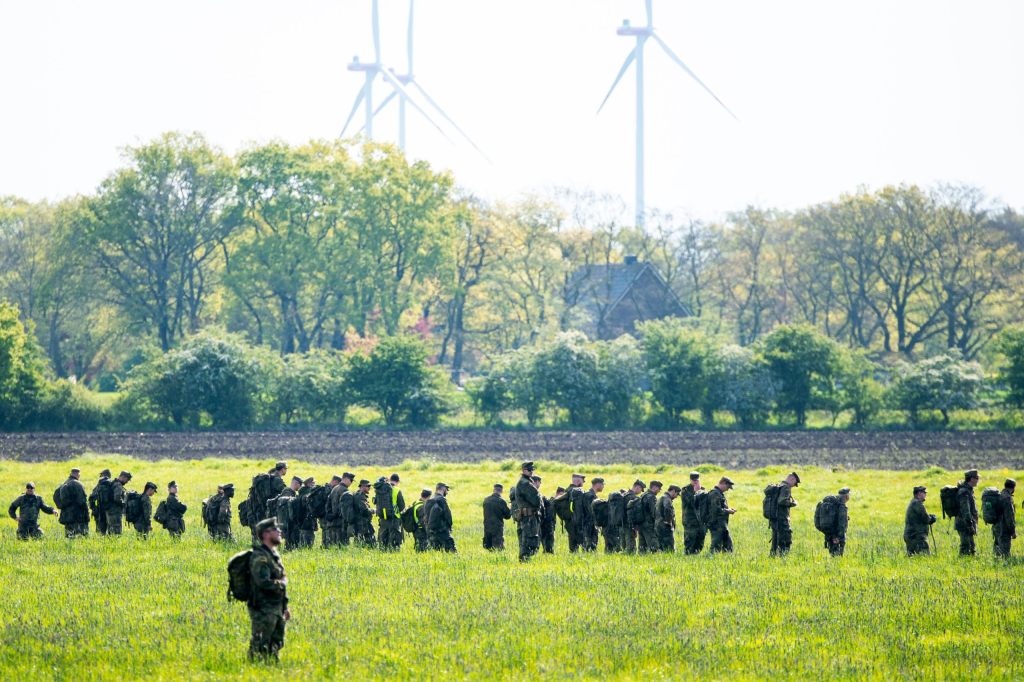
916	546
421	539
1000	542
101	523
592	539
782	537
494	540
611	539
530	538
629	537
721	540
666	538
693	539
29	529
548	540
113	523
836	545
648	538
967	547
574	541
267	632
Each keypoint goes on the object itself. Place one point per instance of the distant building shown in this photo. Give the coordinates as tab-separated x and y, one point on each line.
609	300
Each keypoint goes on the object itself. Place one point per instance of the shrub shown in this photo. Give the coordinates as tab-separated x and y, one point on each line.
679	366
312	388
21	370
1010	345
804	362
742	383
944	382
69	407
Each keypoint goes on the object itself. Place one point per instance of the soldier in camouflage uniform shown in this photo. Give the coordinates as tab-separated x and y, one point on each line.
647	531
694	530
334	519
420	536
389	505
629	531
612	532
175	511
666	519
719	512
495	512
835	542
917	522
528	508
303	525
782	531
1004	531
96	502
439	520
577	522
118	496
25	510
596	488
290	527
219	510
268	606
967	516
74	507
547	517
144	523
363	515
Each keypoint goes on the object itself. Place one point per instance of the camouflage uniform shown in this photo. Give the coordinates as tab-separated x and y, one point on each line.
496	510
389	505
647	531
1006	527
966	519
694	532
587	531
305	525
144	524
629	533
718	521
838	548
74	511
613	531
175	522
782	531
115	512
548	520
334	520
96	505
25	510
576	528
439	524
363	519
220	529
268	603
420	537
666	516
289	532
915	528
529	503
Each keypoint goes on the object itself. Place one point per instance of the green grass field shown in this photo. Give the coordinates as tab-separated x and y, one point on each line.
107	608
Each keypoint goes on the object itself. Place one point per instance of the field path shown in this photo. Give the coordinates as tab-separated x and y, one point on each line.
903	450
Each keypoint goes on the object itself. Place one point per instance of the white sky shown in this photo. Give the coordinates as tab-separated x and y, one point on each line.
830	94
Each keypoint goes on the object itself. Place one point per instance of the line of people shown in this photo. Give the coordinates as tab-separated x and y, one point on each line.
641	519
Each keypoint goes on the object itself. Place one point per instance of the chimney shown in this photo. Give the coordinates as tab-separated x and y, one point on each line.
629	260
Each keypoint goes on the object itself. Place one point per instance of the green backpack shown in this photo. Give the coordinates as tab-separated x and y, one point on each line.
700	506
991	510
826	514
240	577
600	508
634	511
409	518
160	515
58	497
770	503
133	507
563	507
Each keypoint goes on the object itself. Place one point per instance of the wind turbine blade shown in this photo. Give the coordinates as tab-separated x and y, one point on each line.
397	85
355	108
408	40
650	12
437	107
376	111
376	33
622	72
672	55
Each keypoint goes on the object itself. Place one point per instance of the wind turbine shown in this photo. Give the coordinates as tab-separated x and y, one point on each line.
642	34
371	71
402	85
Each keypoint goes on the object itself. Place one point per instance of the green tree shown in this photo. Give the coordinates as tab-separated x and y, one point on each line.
21	374
395	378
740	381
1010	346
679	364
804	362
944	382
313	388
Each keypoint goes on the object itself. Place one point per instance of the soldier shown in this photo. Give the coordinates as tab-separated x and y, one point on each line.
629	530
596	488
835	542
576	526
268	606
1004	531
548	519
967	515
916	523
782	531
666	519
303	522
289	526
217	512
144	523
694	530
389	504
647	531
334	523
74	506
612	532
495	512
115	509
439	520
719	512
25	510
420	536
363	515
98	501
528	501
174	510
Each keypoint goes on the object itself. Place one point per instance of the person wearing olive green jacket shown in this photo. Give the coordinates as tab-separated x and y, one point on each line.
916	523
25	510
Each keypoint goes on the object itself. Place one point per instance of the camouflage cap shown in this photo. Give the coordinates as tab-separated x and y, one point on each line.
363	482
126	474
694	475
579	476
395	478
309	481
528	466
537	479
296	479
655	484
796	477
442	485
336	478
265	525
973	473
597	479
172	484
844	491
920	489
105	472
228	486
675	488
726	480
280	465
498	486
640	483
149	484
76	470
30	485
1010	483
424	493
350	476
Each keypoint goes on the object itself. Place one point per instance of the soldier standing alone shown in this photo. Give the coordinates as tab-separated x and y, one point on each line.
268	606
25	510
74	506
917	522
495	512
967	514
782	531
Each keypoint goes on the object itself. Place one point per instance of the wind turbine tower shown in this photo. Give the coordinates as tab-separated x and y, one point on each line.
641	34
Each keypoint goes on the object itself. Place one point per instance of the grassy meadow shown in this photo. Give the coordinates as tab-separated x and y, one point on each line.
108	608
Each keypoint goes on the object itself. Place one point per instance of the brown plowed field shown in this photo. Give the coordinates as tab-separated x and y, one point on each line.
904	450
